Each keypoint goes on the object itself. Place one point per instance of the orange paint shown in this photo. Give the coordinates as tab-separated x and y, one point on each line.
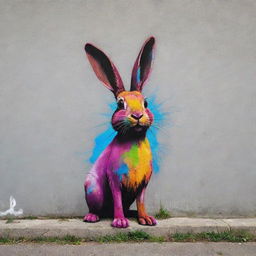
141	209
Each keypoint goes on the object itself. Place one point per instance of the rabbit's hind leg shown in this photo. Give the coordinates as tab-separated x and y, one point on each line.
94	194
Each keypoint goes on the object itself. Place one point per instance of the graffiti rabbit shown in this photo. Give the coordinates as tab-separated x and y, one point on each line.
123	170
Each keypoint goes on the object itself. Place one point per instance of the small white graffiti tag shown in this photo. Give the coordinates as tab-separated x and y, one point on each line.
11	211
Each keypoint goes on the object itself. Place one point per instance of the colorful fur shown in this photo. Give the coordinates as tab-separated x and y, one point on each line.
122	171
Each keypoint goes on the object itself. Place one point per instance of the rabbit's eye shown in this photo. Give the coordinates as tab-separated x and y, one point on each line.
145	103
120	104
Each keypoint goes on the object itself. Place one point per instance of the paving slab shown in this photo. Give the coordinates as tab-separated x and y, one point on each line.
248	224
76	227
127	249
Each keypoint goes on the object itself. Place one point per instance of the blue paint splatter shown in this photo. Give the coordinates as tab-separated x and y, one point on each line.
123	169
105	138
138	76
90	189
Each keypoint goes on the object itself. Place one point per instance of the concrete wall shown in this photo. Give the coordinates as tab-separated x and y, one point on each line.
51	100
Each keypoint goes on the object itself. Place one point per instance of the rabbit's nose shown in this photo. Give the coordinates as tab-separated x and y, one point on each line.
137	116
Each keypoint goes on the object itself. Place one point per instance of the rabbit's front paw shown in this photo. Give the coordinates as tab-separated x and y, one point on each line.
120	223
90	217
147	220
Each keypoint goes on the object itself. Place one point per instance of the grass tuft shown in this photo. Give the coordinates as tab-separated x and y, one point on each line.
227	236
9	220
5	240
162	213
157	239
68	239
135	236
59	240
72	239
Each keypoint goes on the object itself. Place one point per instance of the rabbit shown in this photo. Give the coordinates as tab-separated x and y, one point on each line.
122	172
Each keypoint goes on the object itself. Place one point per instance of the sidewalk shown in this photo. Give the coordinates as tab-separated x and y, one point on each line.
60	228
128	249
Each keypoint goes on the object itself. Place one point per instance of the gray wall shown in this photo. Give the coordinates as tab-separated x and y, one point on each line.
51	100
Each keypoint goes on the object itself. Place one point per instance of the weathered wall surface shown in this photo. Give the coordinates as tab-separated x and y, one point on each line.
51	101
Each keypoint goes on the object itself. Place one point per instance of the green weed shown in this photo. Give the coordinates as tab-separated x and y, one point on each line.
162	213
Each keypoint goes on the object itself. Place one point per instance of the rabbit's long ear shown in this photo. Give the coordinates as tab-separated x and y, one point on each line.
142	65
104	69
